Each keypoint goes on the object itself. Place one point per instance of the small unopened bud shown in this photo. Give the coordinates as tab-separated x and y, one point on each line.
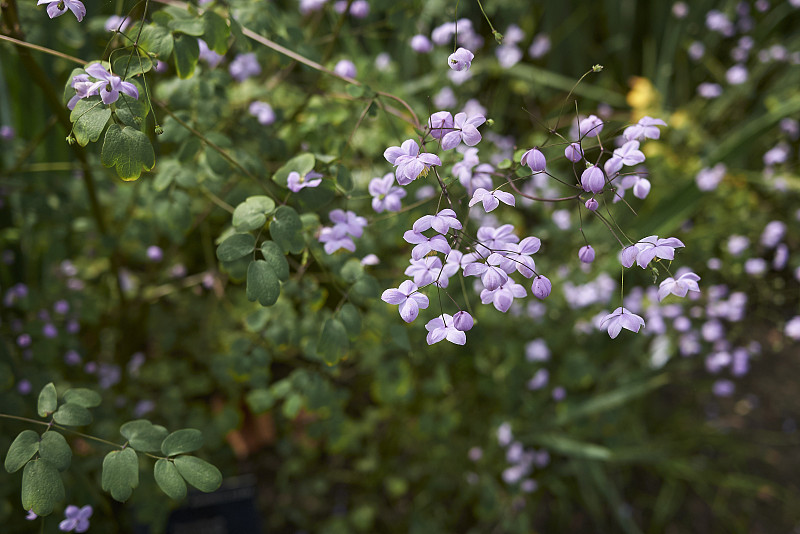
463	321
70	139
159	130
586	254
597	68
541	287
490	122
498	36
591	204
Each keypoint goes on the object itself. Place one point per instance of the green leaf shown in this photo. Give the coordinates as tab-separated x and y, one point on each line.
351	319
120	473
186	52
169	480
275	258
570	447
129	150
131	64
83	397
216	32
55	449
333	343
301	164
612	399
143	435
344	178
352	270
199	473
356	91
89	118
193	27
286	230
157	40
48	400
42	487
181	441
262	283
252	213
72	415
259	400
235	247
22	449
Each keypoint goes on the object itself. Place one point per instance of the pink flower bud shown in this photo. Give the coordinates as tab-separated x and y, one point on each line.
591	204
534	159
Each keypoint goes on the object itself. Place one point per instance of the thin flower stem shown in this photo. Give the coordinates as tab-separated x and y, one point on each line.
42	49
540	199
495	33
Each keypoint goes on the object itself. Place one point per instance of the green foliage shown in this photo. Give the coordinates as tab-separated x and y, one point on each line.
70	414
199	473
82	397
22	449
185	52
142	435
333	343
286	230
236	246
128	150
157	40
262	283
89	118
182	441
169	479
42	487
53	447
120	473
48	400
252	213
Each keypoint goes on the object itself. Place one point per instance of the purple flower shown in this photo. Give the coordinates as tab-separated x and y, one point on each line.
24	340
651	247
709	178
7	133
537	351
503	296
792	328
385	195
421	44
646	128
61	307
508	55
441	222
723	388
117	23
492	273
409	161
336	238
109	86
591	204
541	287
49	331
736	75
348	220
629	154
586	254
262	112
295	182
77	519
593	180
540	46
443	327
619	319
56	8
591	126
539	380
409	301
31	515
244	66
463	321
459	60
464	129
534	159
425	244
209	56
680	287
709	90
309	6
491	199
440	123
573	152
345	68
154	253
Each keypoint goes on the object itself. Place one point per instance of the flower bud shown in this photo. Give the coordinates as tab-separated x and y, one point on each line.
573	152
593	180
534	159
541	287
591	204
463	321
586	254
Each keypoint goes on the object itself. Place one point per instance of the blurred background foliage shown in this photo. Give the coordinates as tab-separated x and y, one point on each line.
399	436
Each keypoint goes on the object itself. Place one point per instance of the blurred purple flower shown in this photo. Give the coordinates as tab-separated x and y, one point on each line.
77	519
244	66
